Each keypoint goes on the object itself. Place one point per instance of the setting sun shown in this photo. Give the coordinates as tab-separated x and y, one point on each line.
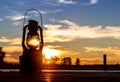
50	52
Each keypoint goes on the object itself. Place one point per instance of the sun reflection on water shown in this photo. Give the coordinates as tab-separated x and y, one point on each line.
48	77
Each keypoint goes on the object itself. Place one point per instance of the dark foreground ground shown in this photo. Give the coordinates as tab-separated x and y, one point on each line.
103	76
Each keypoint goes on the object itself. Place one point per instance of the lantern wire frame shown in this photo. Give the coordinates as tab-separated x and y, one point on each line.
40	17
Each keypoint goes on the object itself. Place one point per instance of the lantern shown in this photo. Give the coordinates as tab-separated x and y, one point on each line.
32	43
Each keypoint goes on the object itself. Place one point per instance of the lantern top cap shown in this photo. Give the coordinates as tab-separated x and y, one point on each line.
33	22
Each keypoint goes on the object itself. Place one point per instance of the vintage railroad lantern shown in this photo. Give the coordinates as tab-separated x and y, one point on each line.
32	43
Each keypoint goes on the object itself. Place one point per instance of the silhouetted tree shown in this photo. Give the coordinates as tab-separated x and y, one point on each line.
54	59
66	61
77	61
2	55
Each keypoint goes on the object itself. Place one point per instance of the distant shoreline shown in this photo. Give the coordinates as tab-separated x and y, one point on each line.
67	67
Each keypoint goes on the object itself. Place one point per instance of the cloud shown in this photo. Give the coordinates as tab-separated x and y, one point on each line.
67	31
92	2
36	13
59	2
43	12
13	41
64	31
1	19
11	59
53	11
96	53
12	49
16	41
4	40
107	50
12	53
21	3
92	49
13	14
15	17
57	10
93	60
66	2
51	2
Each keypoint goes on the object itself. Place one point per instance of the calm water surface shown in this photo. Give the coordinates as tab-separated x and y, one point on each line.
14	75
17	70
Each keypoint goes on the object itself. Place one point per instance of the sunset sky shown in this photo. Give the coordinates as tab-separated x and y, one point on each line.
84	29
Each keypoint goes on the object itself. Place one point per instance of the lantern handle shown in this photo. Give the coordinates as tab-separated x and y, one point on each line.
37	12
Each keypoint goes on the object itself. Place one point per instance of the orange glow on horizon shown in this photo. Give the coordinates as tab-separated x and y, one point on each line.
50	52
48	62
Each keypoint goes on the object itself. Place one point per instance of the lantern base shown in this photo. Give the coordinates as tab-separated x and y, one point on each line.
31	62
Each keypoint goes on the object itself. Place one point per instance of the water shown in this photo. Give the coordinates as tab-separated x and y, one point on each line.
9	70
14	75
60	71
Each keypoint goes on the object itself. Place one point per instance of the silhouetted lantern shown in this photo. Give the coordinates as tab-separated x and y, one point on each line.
32	43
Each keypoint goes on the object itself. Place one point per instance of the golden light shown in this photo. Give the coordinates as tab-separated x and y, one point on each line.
33	41
48	62
50	52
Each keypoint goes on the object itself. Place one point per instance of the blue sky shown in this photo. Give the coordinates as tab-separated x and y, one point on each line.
83	12
78	28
